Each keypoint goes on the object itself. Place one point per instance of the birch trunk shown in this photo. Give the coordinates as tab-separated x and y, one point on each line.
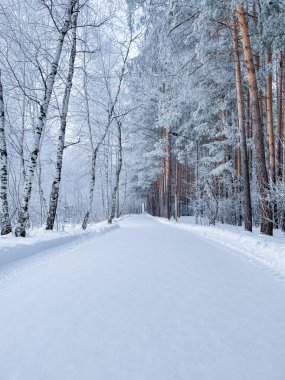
262	176
92	179
106	176
49	83
22	141
5	223
43	203
118	193
118	173
242	135
91	189
54	195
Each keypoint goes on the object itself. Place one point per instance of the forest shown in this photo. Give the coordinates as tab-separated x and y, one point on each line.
142	189
107	105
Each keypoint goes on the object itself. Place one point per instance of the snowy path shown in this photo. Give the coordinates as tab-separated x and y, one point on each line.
145	301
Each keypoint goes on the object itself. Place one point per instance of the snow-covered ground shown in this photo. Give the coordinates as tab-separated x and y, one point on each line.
39	241
268	250
145	301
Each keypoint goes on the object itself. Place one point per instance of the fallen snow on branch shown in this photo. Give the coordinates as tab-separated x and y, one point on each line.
268	250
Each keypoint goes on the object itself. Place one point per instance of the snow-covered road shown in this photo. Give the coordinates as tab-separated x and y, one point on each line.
144	301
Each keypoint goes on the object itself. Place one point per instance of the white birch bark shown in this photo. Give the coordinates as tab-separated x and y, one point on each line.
22	139
5	224
92	179
61	138
49	83
107	179
118	173
94	151
43	203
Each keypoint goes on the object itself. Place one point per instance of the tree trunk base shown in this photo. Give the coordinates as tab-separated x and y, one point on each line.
85	221
20	231
50	223
267	228
6	229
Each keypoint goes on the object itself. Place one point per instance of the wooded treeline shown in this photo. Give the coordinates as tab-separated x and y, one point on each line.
63	67
106	104
210	81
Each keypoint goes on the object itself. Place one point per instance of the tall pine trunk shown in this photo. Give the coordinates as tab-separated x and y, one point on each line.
258	137
168	176
270	129
242	134
61	138
5	224
270	125
280	116
49	84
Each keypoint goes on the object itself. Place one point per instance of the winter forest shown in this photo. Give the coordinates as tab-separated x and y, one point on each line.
142	189
105	105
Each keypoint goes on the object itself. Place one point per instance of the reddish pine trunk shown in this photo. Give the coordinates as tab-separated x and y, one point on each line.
266	211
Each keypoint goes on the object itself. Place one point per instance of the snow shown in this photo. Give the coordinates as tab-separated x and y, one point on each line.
143	301
39	240
266	250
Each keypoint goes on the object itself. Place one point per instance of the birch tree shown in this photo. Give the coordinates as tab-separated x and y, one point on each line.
111	117
118	173
63	120
20	229
5	223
